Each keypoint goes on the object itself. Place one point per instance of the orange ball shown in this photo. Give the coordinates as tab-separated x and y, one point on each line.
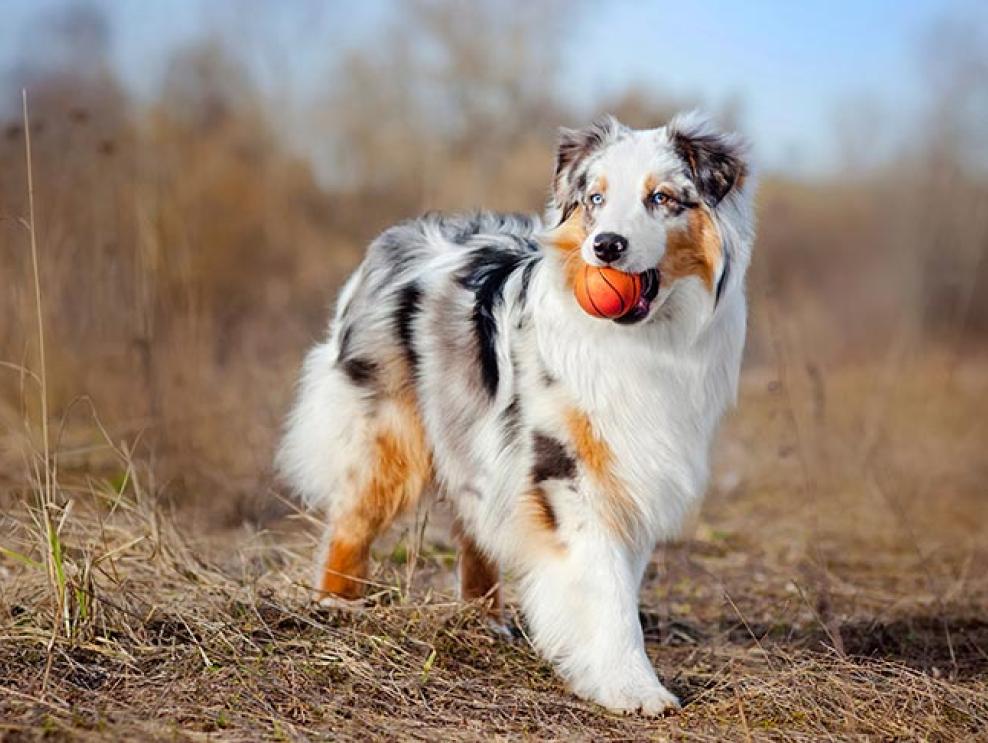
606	292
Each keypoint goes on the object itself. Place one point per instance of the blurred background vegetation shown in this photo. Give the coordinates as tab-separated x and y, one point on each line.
193	232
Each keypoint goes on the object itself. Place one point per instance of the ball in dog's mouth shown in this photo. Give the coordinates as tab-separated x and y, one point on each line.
650	290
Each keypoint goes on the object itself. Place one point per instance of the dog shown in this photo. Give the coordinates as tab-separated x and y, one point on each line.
459	363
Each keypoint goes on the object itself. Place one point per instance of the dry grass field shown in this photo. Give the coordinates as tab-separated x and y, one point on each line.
179	255
835	586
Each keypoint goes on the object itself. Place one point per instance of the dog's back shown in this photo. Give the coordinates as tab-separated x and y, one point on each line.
415	335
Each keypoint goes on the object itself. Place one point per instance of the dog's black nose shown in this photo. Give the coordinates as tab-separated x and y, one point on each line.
609	246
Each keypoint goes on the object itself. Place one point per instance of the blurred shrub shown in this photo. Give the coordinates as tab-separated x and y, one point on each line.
189	254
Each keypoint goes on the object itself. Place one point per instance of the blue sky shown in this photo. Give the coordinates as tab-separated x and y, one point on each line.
790	64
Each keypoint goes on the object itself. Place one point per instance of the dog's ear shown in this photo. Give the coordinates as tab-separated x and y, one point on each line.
575	148
715	161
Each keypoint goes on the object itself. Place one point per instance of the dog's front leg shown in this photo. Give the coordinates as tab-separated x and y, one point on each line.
582	607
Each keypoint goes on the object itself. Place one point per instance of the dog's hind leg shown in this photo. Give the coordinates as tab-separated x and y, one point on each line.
359	454
479	577
383	482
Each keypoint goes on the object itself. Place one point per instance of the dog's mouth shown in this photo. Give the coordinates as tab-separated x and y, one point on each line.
650	290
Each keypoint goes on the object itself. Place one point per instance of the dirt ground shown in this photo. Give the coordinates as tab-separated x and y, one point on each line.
834	586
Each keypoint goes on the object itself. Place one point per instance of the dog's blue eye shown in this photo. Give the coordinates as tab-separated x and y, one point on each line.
596	199
658	198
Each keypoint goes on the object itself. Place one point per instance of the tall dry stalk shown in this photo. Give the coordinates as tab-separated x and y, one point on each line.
54	557
32	232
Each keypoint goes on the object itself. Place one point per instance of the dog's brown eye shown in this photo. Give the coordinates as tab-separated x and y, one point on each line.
596	199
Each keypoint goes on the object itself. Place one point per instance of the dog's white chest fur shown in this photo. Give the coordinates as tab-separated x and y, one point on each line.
656	400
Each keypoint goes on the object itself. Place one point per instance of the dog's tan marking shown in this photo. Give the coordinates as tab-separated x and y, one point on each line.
479	575
618	508
593	452
538	524
345	568
695	250
399	468
651	185
568	238
543	514
403	463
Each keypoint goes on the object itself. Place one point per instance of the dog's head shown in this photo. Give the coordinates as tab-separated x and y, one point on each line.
661	202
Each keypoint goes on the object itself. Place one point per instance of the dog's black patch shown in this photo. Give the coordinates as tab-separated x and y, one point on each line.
362	372
581	183
526	279
409	305
723	278
489	268
711	163
552	461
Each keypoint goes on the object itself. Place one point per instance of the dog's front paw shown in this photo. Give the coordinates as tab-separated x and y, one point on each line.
651	699
659	701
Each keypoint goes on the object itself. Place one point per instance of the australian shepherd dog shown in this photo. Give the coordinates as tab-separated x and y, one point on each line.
460	364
